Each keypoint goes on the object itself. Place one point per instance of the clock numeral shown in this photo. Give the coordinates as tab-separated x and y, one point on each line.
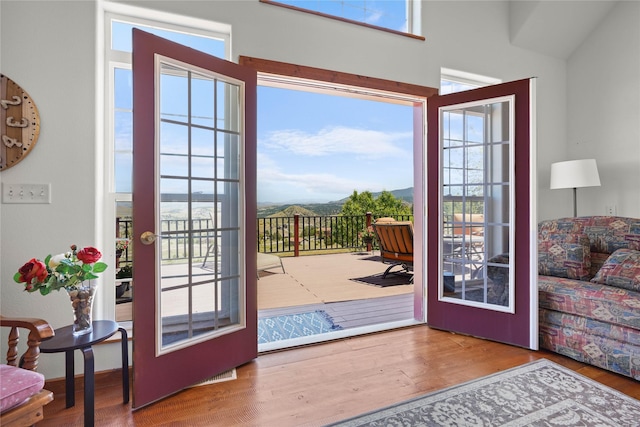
23	123
11	142
5	102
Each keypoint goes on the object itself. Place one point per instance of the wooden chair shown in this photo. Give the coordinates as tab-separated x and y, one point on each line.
469	227
25	403
473	224
396	245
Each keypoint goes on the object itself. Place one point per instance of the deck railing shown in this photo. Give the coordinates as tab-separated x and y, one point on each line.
292	235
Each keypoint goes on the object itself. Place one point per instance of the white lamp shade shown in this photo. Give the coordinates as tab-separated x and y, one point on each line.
575	174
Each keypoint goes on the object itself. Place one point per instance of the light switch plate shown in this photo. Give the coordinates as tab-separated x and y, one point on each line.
26	193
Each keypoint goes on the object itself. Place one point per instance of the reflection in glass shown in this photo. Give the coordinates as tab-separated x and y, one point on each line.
199	207
475	204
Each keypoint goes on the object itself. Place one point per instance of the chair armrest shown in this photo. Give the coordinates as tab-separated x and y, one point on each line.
38	330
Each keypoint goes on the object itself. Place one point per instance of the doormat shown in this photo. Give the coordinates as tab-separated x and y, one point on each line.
540	393
392	279
284	327
220	378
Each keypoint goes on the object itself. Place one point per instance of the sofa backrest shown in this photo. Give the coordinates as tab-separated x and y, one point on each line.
606	234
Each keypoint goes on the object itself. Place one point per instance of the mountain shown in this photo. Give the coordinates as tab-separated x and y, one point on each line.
293	210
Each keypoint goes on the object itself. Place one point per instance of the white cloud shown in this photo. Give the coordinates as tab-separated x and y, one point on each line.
339	140
311	182
373	16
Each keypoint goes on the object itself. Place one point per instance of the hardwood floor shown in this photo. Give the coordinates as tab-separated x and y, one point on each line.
316	385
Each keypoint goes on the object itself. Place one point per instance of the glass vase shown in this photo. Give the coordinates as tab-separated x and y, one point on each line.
81	297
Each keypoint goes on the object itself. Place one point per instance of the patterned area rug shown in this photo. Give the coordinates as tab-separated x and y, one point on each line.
289	326
540	393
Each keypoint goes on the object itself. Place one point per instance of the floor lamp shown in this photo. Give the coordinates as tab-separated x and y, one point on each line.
575	174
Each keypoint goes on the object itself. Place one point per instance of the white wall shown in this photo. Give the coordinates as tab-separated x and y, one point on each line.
604	112
48	47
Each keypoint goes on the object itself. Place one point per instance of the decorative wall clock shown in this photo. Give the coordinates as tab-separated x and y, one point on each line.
19	123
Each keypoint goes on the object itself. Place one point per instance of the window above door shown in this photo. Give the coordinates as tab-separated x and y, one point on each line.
400	17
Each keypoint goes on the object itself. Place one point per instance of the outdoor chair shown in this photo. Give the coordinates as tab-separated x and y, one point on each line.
396	245
23	397
268	261
474	224
472	234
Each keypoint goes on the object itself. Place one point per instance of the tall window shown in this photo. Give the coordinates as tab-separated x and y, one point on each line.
208	37
395	15
119	71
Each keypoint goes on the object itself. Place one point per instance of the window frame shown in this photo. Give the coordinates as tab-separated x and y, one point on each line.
108	61
465	78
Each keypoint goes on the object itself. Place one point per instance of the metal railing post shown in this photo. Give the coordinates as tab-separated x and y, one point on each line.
368	224
296	234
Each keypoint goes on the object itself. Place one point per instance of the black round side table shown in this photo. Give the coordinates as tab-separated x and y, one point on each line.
65	341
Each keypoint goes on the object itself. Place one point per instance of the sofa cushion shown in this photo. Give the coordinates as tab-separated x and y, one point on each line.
601	302
564	255
18	385
621	269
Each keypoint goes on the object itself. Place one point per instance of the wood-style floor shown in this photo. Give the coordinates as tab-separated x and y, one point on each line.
316	385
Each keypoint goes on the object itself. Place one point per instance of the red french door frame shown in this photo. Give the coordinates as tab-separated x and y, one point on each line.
519	328
423	93
158	376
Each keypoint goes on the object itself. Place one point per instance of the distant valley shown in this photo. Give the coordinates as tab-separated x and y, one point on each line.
320	209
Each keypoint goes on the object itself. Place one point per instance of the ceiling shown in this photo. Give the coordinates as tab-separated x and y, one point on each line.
555	27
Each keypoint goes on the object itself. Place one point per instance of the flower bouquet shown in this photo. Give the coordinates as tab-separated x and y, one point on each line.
68	270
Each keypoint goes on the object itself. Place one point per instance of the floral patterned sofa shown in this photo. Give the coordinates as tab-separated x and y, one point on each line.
589	290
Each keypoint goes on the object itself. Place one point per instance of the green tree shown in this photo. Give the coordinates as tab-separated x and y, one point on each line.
357	206
386	204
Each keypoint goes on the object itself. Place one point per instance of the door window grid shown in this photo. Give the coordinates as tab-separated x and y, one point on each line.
200	158
475	174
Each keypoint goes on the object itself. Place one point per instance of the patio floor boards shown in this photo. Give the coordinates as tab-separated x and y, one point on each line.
356	313
323	279
322	282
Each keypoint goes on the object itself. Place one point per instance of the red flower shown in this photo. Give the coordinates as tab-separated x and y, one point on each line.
34	269
89	255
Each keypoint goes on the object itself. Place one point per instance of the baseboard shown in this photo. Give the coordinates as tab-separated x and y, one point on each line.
104	378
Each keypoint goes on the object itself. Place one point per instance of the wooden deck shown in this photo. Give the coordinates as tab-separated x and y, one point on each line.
356	313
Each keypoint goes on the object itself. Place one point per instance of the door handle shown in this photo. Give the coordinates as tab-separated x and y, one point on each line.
148	238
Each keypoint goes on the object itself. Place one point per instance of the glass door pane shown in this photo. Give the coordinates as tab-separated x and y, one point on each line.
200	289
475	203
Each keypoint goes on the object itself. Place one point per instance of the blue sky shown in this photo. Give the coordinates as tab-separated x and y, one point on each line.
319	148
384	13
311	147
